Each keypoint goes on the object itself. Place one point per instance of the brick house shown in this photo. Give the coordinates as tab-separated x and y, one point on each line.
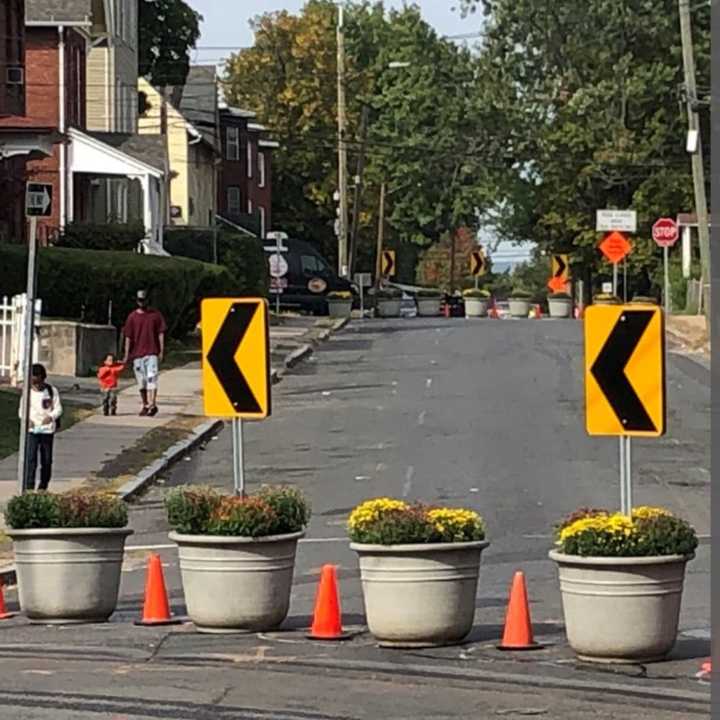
245	177
21	137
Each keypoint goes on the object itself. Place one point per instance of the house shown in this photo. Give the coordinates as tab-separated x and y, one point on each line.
186	117
245	178
99	169
21	137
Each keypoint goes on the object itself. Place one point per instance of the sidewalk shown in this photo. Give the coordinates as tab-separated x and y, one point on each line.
114	450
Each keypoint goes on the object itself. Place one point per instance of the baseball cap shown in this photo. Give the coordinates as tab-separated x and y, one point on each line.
141	295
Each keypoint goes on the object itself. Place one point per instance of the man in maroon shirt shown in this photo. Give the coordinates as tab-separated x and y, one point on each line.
144	334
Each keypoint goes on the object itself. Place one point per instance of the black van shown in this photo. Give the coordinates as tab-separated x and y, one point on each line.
307	277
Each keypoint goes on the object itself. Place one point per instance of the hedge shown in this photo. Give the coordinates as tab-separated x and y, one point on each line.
241	254
113	236
77	284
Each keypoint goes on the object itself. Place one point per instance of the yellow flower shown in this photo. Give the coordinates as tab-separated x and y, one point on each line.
617	524
646	513
371	510
456	520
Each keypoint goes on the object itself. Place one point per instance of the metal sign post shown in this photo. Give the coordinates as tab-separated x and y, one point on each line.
238	457
277	294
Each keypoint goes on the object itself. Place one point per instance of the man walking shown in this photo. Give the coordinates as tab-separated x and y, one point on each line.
144	334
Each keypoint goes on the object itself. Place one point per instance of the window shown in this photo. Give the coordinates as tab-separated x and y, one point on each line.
261	210
249	159
261	169
232	143
234	201
309	265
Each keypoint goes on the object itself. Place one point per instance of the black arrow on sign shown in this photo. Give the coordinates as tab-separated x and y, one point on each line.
609	370
561	266
389	264
222	360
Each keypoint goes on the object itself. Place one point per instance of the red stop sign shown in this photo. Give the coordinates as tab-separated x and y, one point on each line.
665	232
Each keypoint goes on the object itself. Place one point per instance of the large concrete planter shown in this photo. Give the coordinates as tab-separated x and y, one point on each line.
428	307
389	307
622	609
560	307
519	308
339	308
236	584
68	575
476	307
420	595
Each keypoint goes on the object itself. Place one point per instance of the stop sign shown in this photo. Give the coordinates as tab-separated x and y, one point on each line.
665	232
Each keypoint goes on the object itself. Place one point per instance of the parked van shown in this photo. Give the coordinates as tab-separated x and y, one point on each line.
306	277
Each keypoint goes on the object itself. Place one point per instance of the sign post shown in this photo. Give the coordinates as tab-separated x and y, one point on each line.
363	280
236	368
665	235
625	379
38	203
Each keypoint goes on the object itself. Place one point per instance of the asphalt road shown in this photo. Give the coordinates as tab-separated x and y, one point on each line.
484	414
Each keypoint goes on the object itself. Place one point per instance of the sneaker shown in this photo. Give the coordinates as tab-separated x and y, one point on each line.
113	411
153	411
105	411
144	411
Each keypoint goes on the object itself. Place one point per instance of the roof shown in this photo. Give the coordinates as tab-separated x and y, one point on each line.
197	101
149	149
238	112
58	11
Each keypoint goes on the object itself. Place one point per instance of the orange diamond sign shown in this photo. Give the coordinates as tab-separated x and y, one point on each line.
615	246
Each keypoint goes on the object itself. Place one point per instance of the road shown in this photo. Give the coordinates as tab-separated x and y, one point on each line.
485	414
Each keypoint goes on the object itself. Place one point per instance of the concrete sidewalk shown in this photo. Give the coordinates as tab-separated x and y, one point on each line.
113	450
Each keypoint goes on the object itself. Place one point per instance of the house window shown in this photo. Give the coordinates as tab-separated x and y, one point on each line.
261	169
234	201
261	210
232	143
249	159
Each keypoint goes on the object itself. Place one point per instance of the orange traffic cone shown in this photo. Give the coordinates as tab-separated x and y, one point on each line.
327	618
518	634
156	609
538	312
705	671
4	614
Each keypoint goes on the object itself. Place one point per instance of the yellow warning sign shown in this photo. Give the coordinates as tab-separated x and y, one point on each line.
625	370
235	358
388	263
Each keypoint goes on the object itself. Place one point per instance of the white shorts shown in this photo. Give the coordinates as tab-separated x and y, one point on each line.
146	372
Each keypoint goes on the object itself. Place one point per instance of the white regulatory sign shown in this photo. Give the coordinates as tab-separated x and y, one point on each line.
620	220
278	265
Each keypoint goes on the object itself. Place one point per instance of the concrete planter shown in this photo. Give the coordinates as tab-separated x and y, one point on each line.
623	609
420	595
68	575
560	307
519	308
339	308
476	307
428	307
237	584
389	307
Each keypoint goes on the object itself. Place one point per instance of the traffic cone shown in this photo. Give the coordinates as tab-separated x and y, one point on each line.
705	671
156	609
518	633
538	312
327	618
4	614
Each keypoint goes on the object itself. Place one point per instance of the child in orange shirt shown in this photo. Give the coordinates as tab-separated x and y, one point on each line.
108	374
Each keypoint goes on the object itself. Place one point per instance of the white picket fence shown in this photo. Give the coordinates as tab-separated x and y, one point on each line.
12	335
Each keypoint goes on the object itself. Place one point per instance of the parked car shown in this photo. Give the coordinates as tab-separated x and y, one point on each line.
307	276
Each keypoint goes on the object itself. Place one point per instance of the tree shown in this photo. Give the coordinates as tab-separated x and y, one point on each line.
169	29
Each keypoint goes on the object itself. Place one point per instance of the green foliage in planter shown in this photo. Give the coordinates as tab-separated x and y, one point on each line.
201	510
428	293
385	521
79	284
559	296
114	236
339	295
388	293
72	509
520	294
476	293
650	531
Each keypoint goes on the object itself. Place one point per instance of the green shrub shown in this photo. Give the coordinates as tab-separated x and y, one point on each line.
72	509
117	236
199	510
78	284
388	293
479	293
520	294
559	296
429	293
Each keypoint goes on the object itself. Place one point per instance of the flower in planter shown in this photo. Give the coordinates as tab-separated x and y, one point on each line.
429	293
385	521
388	293
339	295
479	293
70	509
520	294
201	510
559	296
650	531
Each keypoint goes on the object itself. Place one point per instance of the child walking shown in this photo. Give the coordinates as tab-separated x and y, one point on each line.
108	374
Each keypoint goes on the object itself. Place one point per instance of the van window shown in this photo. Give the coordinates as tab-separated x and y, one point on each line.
312	264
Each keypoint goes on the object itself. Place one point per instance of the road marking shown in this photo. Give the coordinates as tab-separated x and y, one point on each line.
428	383
408	480
421	417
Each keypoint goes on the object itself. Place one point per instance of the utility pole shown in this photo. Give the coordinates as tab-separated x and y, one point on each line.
698	170
342	148
453	238
352	253
380	236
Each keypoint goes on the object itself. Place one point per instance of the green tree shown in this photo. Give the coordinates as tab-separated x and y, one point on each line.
169	29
